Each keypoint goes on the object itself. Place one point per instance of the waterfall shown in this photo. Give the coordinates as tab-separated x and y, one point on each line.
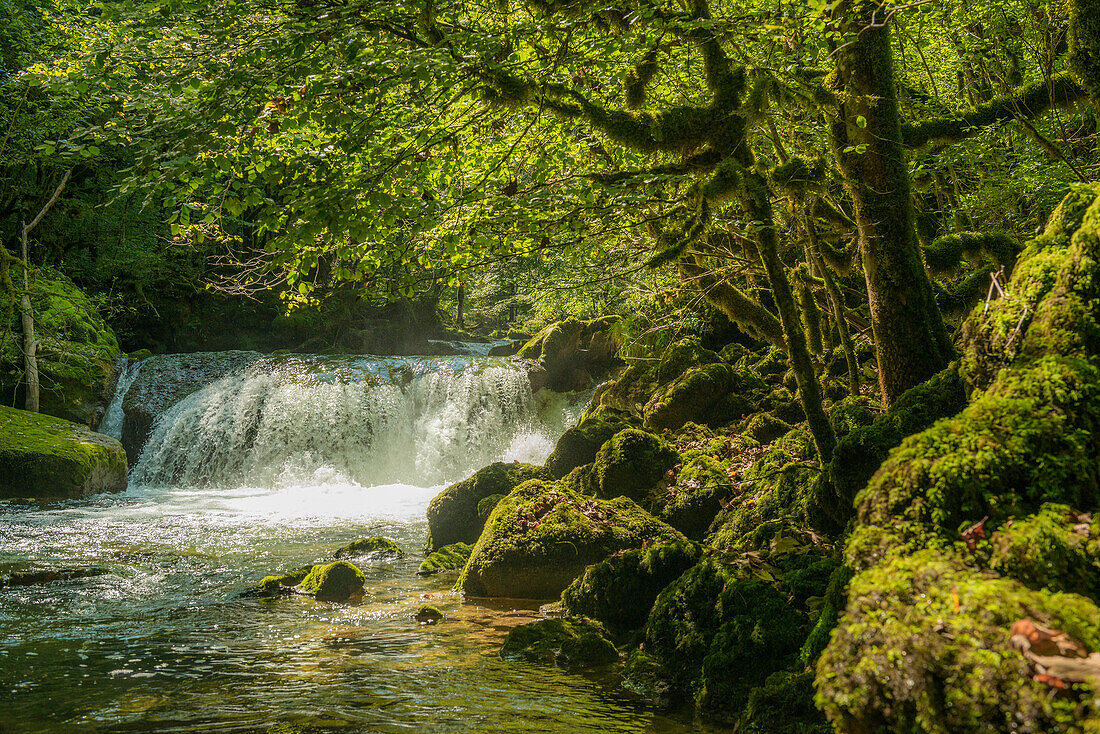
111	425
370	420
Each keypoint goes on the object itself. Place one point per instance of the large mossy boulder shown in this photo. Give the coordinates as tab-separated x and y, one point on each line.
722	628
632	464
924	641
164	380
50	458
620	590
573	643
711	394
453	515
544	534
337	581
697	495
578	445
573	351
76	351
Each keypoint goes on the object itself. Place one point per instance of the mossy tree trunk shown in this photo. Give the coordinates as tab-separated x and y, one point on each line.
30	345
911	341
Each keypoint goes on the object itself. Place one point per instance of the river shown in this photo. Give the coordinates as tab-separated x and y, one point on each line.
266	470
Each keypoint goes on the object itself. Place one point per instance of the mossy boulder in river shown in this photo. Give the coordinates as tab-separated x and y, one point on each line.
50	458
427	614
164	380
543	535
448	558
337	581
632	464
453	513
572	643
620	590
376	547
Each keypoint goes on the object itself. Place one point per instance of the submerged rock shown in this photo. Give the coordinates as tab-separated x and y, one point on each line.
448	558
544	534
49	458
453	513
375	547
571	642
38	578
427	614
337	581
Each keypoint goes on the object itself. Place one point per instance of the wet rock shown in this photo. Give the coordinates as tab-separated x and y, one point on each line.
573	351
453	513
448	558
337	581
572	643
375	547
544	534
38	578
279	584
486	506
427	614
50	458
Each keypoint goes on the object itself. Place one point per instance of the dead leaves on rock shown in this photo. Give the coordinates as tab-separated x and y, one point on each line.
1055	658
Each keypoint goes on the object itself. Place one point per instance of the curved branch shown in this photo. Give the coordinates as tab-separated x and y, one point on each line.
744	311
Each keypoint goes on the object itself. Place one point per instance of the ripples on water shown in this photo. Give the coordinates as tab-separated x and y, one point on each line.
164	643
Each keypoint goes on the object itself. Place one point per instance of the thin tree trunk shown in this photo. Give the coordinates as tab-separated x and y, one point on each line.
30	346
460	320
836	301
911	341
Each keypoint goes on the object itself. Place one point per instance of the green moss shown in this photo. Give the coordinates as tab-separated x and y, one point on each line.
337	581
376	546
852	413
945	253
924	646
427	614
765	428
279	584
630	391
681	356
718	634
485	506
836	596
713	394
644	676
698	494
543	535
448	558
632	464
1056	549
572	643
578	446
51	458
76	350
453	514
1084	46
620	590
783	705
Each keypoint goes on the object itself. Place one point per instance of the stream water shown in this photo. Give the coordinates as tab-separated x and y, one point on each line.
265	470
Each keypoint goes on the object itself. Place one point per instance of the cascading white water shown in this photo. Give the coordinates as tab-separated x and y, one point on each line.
373	421
111	425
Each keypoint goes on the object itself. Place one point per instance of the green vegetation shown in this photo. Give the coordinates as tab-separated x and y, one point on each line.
375	547
337	581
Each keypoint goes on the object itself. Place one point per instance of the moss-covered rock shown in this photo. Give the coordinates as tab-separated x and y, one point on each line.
448	558
698	494
578	445
50	576
765	428
573	351
485	507
427	614
76	351
924	646
453	514
573	643
632	464
543	535
644	676
1057	548
712	394
337	581
50	458
279	584
164	380
620	589
681	356
719	632
376	547
783	705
